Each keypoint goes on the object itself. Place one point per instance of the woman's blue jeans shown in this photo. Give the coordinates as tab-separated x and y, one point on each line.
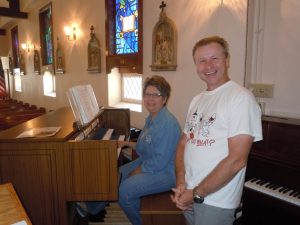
133	188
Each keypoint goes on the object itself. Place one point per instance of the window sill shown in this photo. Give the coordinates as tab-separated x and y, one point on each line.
52	94
131	106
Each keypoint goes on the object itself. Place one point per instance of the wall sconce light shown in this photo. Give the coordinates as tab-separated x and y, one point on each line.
26	47
71	32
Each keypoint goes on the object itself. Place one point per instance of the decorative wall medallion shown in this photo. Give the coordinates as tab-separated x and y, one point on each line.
94	54
164	43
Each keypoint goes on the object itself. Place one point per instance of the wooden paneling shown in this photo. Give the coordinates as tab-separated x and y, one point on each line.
93	171
31	168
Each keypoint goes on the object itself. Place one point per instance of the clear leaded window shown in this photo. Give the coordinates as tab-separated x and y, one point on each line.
49	84
132	88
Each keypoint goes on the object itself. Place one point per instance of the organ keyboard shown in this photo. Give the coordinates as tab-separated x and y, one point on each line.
272	188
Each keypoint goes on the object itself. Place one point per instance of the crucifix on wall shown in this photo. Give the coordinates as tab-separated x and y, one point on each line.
162	6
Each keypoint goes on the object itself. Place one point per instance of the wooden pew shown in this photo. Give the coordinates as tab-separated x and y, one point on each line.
10	118
158	209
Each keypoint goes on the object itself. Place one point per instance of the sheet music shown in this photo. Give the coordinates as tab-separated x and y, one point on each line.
83	102
93	99
74	107
39	132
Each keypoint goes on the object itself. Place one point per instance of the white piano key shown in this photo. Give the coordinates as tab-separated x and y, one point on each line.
252	184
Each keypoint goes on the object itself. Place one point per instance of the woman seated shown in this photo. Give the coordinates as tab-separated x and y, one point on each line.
153	171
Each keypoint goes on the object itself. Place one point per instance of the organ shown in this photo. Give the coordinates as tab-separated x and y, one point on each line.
52	172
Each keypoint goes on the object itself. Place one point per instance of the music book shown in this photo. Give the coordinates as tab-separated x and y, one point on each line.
83	103
23	222
39	132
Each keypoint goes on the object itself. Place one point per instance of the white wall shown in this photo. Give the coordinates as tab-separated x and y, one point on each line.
194	19
275	53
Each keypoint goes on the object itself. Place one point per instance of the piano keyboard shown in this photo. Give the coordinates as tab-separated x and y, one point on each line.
277	191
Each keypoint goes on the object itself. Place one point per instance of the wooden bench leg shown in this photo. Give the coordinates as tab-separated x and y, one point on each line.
158	209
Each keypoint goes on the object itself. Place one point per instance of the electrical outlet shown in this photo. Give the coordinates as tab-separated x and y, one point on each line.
262	90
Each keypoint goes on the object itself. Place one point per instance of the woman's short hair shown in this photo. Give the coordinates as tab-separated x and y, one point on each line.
160	83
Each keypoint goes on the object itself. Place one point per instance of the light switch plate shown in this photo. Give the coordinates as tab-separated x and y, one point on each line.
262	90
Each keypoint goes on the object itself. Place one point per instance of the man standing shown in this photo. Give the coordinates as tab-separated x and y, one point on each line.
222	123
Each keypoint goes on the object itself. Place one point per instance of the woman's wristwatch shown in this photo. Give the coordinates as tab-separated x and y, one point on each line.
197	198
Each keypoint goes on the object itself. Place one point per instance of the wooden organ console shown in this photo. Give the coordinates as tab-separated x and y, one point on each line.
50	172
272	188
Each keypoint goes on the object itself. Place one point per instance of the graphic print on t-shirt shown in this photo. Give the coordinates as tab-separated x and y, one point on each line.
199	129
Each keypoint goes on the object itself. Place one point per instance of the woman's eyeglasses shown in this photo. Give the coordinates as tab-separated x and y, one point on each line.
152	95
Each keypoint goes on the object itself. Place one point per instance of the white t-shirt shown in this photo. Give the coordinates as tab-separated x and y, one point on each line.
213	117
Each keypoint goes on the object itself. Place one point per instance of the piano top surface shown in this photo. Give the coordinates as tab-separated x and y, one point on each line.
285	120
62	117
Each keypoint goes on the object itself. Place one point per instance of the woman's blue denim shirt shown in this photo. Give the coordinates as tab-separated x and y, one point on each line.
156	145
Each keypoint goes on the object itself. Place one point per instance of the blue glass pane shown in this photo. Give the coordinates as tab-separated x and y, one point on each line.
48	37
126	42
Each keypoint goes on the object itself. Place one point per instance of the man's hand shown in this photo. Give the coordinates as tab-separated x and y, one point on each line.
182	197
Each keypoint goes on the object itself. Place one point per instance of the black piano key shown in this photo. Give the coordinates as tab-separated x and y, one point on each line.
263	183
281	189
253	180
268	185
260	182
296	194
286	190
271	186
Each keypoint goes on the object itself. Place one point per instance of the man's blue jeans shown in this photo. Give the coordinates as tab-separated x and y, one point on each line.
133	188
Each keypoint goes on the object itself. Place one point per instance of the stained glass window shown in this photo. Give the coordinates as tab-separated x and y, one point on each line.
124	35
46	35
15	46
126	26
